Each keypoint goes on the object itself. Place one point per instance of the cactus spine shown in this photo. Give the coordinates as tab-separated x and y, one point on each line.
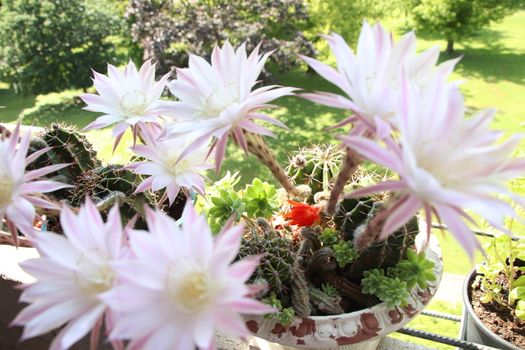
275	265
67	146
315	166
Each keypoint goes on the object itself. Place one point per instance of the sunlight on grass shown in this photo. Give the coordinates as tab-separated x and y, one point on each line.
434	325
102	141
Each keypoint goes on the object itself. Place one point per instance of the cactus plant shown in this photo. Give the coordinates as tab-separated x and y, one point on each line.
315	166
279	257
326	301
300	291
105	184
67	146
351	213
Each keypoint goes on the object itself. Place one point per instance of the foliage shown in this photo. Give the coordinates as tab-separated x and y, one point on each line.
168	30
415	269
329	237
329	290
458	19
372	280
285	315
504	257
225	204
345	17
344	253
50	45
260	199
393	291
394	285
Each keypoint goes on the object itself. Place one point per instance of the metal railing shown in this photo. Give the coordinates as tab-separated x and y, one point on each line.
442	339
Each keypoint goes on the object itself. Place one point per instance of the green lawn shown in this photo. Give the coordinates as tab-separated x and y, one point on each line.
434	325
493	71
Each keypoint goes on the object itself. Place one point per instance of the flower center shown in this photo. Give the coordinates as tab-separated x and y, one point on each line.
219	99
133	103
192	292
6	190
94	279
175	168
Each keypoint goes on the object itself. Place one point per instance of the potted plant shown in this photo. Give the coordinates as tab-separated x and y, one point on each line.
327	258
494	296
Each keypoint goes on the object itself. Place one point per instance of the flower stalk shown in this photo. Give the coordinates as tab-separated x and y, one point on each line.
350	164
259	148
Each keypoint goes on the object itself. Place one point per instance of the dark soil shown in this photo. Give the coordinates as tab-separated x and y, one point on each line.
498	318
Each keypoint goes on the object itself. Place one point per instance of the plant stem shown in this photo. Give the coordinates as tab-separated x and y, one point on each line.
510	277
258	147
350	164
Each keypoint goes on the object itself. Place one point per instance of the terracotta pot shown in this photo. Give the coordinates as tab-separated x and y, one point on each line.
472	329
361	329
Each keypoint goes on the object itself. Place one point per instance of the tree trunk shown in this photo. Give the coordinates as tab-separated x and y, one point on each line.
450	46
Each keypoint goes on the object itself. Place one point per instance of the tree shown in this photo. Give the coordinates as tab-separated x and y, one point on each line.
458	19
168	30
345	17
51	45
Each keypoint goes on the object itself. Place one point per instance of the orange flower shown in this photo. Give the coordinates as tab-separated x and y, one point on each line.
302	214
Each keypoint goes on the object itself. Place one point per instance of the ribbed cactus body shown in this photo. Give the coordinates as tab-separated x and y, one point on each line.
277	261
67	146
107	184
300	292
315	166
352	213
386	253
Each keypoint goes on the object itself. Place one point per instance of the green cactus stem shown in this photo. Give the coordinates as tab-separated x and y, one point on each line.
258	147
278	257
110	184
385	254
68	145
315	166
352	213
370	234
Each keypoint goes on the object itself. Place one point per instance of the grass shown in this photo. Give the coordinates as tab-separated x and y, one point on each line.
434	325
493	69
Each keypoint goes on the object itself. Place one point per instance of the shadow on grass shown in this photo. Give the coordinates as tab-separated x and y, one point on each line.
12	104
71	116
43	110
493	64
